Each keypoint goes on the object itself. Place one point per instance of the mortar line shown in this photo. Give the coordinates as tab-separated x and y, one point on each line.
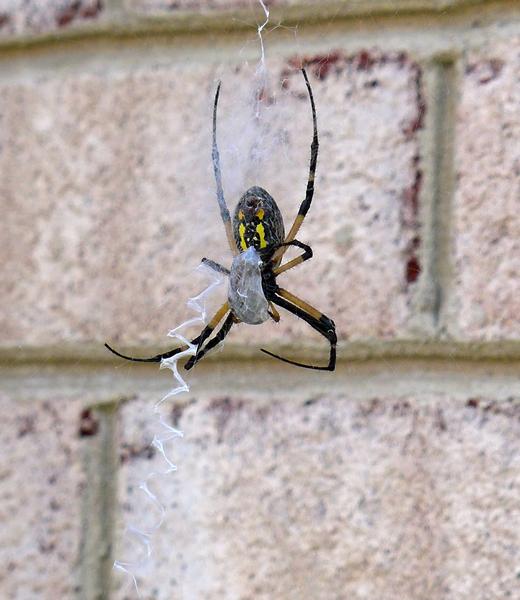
119	23
360	351
443	186
109	495
99	507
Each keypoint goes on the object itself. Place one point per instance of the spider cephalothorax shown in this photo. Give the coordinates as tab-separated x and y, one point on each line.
258	242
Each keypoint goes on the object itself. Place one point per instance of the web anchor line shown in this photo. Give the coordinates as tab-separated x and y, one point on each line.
166	433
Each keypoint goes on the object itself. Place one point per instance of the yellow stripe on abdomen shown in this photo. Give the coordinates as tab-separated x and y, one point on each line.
242	231
261	232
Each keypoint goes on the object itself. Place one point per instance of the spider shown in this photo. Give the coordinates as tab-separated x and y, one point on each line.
257	239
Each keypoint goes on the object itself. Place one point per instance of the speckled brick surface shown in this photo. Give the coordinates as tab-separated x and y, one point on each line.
29	17
110	204
41	483
330	497
203	6
486	230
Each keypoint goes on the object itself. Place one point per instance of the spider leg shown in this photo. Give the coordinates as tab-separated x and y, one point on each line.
273	313
307	254
305	205
221	334
318	321
156	358
207	331
224	212
215	266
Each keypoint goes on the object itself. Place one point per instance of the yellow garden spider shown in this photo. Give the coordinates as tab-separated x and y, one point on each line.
258	242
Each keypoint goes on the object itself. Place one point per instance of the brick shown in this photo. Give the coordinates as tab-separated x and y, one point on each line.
204	6
110	203
297	7
328	496
42	481
486	231
22	17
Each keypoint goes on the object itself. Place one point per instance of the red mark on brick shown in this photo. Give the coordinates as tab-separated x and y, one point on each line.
5	19
78	10
410	211
410	218
411	199
417	122
132	451
89	12
88	424
365	60
224	409
413	269
509	407
27	425
486	70
319	65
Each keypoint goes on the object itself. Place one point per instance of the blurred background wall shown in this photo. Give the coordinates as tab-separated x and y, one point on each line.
397	476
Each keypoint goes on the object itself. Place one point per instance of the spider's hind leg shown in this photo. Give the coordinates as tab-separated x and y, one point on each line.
206	332
219	337
318	321
158	357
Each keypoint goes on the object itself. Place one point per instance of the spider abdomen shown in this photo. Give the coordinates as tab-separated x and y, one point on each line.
246	295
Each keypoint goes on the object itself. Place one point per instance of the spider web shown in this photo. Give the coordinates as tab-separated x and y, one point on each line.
139	536
247	155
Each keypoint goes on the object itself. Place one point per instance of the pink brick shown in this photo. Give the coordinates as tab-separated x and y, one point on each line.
486	232
202	6
22	17
41	484
329	496
110	203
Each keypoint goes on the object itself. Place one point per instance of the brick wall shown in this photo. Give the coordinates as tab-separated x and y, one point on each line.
398	476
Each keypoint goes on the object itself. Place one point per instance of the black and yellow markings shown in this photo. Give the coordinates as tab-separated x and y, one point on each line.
252	231
260	229
242	233
261	234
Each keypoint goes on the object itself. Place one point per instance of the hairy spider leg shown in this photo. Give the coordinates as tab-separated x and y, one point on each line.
305	205
307	254
224	212
318	321
220	335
